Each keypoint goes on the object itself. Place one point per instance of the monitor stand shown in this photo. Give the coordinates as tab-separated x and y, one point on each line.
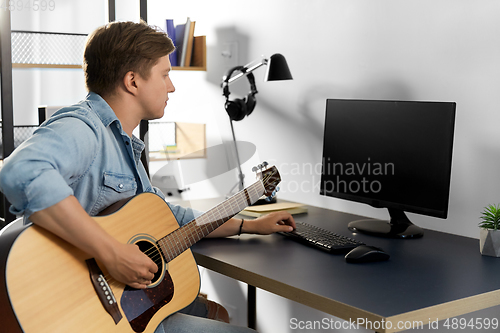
398	227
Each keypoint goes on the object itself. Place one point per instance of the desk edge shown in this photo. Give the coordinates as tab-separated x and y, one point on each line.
341	310
318	302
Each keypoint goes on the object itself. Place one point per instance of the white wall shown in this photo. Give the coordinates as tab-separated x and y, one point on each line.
413	50
444	50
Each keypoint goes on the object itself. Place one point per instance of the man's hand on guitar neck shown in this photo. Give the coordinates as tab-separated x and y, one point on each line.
125	262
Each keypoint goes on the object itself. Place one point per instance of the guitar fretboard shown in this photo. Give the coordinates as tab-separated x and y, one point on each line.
183	238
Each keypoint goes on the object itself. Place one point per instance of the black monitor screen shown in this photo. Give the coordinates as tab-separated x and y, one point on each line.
394	154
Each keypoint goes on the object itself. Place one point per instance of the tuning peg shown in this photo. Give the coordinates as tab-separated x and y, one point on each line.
260	166
269	198
254	169
265	164
273	194
275	191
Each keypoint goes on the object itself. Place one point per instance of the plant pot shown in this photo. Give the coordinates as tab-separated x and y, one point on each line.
489	242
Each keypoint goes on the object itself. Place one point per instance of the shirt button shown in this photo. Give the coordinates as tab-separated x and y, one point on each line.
120	186
127	143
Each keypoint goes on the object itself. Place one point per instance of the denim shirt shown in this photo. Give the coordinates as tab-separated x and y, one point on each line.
83	151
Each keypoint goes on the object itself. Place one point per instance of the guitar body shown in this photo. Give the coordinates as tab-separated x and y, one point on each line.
48	284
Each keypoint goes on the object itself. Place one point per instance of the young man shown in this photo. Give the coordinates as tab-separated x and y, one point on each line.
85	158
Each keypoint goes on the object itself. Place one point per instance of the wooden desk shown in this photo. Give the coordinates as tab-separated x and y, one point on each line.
433	278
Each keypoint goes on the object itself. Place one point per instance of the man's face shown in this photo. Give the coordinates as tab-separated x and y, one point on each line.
153	92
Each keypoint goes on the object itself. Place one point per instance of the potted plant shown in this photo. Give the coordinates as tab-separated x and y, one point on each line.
489	238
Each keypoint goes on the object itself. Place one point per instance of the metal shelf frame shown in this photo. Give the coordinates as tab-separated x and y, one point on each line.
7	96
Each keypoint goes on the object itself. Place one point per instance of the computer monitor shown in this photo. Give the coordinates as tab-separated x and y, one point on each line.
389	154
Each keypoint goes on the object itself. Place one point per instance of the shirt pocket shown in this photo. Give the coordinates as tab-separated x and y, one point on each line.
120	183
115	187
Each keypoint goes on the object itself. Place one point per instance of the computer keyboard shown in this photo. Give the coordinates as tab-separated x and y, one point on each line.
321	238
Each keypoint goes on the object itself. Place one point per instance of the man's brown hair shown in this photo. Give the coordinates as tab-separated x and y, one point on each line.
119	47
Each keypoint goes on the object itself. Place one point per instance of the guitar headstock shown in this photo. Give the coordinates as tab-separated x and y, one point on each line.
270	177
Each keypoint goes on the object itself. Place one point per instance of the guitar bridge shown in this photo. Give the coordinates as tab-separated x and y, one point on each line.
103	291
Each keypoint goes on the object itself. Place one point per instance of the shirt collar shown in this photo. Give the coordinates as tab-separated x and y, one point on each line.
137	147
102	108
108	116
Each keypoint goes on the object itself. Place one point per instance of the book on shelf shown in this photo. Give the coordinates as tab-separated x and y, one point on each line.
189	40
199	51
185	40
190	51
291	207
170	30
179	41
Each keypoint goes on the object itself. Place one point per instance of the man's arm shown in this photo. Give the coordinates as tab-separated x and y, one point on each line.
125	262
264	225
36	175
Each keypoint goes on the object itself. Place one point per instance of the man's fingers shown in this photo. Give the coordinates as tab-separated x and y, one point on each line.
286	218
153	268
138	285
285	228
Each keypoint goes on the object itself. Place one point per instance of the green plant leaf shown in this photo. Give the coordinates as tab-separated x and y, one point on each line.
490	217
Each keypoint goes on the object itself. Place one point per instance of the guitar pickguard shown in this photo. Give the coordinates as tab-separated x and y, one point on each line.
140	305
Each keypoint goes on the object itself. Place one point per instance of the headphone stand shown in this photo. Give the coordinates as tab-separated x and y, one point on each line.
241	176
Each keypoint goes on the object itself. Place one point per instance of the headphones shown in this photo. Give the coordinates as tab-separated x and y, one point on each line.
240	107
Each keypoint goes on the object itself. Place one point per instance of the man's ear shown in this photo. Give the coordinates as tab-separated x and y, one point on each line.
130	82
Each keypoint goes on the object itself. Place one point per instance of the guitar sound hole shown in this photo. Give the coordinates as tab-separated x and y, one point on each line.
152	252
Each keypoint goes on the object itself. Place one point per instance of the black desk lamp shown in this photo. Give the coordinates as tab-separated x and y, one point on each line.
238	109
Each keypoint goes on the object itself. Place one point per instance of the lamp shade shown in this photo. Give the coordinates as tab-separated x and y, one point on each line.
277	69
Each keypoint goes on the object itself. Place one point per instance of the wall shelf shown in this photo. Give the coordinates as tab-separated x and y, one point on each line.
199	57
175	68
41	49
18	65
192	68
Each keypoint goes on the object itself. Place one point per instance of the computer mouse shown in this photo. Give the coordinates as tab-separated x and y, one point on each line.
366	253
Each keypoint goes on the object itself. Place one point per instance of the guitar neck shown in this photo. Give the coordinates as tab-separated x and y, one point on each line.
183	238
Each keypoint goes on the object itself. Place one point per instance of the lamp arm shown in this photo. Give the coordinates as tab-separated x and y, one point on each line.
247	69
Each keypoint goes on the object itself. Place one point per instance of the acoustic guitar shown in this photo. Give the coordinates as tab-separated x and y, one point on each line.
48	285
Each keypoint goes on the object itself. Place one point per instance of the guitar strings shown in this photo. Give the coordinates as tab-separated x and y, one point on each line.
154	253
190	228
157	257
189	232
157	252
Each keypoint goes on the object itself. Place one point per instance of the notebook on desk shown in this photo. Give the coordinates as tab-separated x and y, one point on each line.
291	207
